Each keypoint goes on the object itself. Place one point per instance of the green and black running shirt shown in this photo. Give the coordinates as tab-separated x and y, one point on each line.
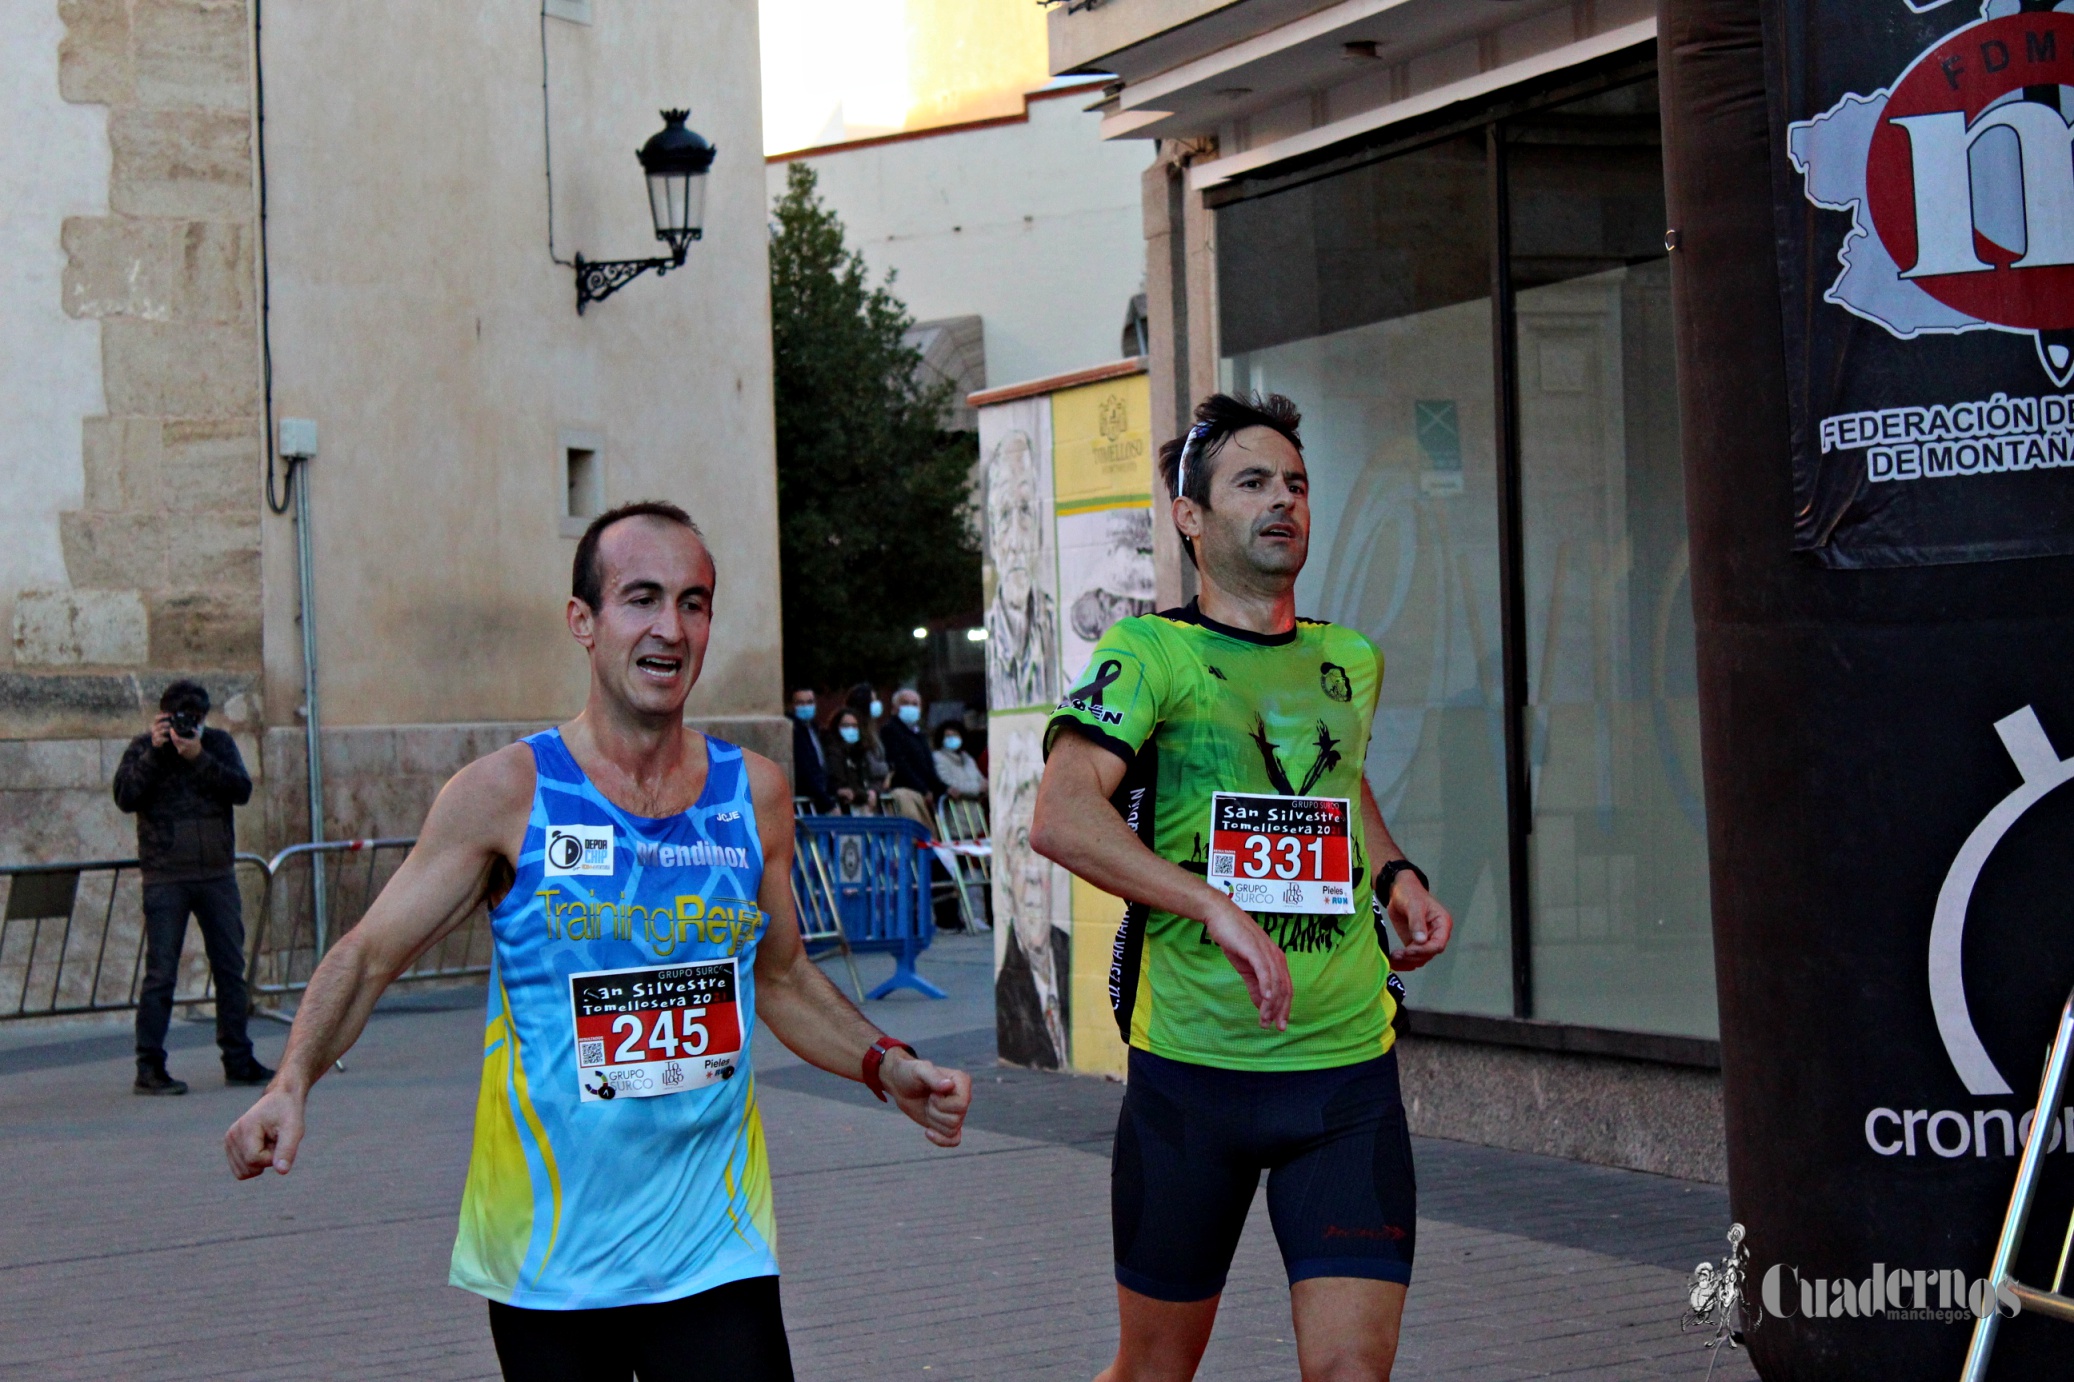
1195	707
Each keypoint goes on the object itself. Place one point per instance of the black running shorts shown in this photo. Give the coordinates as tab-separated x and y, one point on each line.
732	1333
1192	1141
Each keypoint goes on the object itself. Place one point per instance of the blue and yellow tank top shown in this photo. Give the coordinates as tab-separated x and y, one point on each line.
619	1158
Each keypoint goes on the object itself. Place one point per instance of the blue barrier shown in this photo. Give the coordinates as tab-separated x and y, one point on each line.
874	874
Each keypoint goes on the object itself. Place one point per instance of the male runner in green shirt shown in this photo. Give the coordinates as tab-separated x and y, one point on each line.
1250	974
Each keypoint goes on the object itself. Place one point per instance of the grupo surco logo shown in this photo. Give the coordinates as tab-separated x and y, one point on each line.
1980	1132
1961	186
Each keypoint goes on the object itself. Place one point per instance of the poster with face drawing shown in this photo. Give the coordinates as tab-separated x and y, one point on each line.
1105	574
1032	901
1022	605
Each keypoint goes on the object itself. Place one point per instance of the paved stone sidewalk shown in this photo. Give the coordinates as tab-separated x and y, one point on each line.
126	1251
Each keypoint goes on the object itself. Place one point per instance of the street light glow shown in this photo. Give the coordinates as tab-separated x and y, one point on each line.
921	634
978	635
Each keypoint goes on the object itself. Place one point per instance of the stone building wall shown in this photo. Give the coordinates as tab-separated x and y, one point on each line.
1638	1115
162	558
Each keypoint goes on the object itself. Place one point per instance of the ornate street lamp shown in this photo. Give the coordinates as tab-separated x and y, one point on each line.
675	161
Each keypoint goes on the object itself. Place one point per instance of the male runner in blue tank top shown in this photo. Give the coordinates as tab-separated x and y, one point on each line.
618	1207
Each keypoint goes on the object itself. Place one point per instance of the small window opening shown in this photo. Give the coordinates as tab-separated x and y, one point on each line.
586	498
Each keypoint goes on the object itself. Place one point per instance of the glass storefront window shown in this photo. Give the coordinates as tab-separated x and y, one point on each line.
1618	888
1366	297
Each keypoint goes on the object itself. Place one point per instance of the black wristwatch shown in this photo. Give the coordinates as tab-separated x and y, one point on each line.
1386	877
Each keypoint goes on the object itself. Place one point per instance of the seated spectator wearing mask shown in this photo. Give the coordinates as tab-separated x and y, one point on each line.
852	779
865	701
907	748
915	786
809	762
955	768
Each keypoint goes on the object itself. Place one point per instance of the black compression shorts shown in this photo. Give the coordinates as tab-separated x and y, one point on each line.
1192	1141
732	1333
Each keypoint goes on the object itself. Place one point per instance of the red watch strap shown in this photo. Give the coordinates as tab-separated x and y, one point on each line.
876	1057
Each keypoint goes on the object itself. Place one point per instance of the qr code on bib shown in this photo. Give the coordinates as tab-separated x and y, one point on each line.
1224	862
590	1053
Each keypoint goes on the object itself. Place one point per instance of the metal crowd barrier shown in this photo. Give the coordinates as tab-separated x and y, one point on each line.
877	888
304	916
72	933
66	947
2053	1303
818	906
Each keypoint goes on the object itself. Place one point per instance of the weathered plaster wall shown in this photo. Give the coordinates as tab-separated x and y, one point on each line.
418	317
419	320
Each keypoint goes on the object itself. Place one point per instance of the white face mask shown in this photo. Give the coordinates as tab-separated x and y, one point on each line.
953	742
909	714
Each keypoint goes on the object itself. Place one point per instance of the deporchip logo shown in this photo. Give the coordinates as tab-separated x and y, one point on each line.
1960	184
1333	679
578	850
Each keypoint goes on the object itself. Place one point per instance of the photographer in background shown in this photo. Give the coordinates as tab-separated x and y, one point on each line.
182	782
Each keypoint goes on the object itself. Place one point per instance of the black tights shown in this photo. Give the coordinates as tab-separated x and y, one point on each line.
734	1333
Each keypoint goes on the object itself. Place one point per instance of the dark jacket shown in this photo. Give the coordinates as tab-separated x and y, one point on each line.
809	770
183	809
854	766
909	756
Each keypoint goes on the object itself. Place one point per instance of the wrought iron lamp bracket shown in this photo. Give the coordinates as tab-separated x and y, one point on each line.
599	279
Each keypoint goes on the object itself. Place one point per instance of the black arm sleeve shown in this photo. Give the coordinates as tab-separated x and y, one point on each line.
136	775
220	771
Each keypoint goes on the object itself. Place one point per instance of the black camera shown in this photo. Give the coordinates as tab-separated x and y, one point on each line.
187	723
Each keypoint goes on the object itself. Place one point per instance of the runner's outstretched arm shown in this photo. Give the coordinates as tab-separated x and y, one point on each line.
1418	918
435	890
1075	826
807	1012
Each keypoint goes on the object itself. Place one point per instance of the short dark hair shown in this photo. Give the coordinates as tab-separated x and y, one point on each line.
1217	419
587	575
184	695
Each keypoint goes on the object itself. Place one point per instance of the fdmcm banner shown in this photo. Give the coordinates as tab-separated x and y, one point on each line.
1924	199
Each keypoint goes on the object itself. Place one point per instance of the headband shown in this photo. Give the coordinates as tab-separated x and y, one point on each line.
1195	438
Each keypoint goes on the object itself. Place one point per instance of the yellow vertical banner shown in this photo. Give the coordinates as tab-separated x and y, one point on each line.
1097	1047
1101	444
1101	456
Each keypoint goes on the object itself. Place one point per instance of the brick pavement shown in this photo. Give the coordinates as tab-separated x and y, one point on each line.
127	1252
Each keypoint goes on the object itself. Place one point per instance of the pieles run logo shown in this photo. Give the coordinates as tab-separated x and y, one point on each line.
1960	184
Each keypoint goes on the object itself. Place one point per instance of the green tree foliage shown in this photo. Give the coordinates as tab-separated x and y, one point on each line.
874	536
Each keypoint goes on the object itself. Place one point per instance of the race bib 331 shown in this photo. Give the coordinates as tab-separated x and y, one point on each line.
1282	854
